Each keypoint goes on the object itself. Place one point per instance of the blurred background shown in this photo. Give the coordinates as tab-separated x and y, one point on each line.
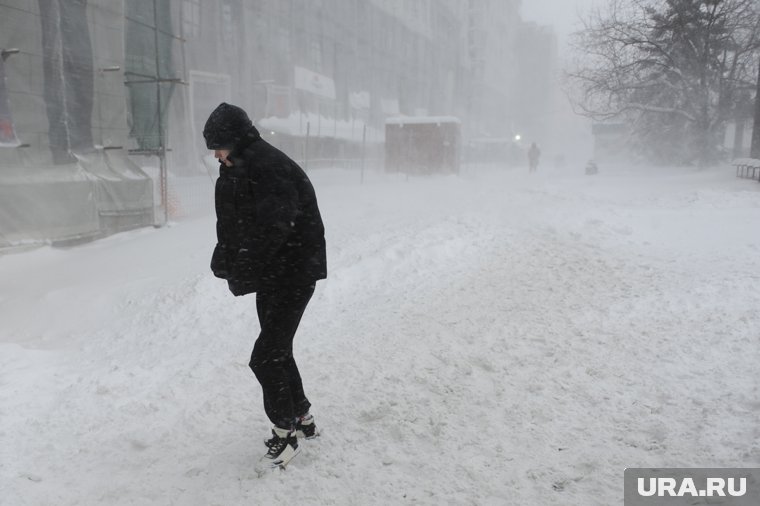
102	103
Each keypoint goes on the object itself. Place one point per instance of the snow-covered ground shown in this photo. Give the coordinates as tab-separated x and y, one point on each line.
494	338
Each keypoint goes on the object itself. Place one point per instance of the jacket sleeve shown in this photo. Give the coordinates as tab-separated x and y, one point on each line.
219	261
220	257
276	207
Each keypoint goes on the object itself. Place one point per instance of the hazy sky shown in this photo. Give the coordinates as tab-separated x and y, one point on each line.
561	14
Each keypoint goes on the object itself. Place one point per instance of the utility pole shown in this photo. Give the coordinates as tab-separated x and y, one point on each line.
754	151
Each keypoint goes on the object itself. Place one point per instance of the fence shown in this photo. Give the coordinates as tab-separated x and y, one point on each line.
192	196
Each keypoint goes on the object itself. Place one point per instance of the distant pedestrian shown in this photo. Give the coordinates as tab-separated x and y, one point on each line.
533	156
270	240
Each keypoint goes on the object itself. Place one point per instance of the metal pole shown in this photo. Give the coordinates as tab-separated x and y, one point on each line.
161	148
306	150
319	119
364	150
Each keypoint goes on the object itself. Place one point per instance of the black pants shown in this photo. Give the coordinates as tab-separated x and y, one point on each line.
272	362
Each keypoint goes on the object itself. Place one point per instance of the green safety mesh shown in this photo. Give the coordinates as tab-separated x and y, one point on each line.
141	69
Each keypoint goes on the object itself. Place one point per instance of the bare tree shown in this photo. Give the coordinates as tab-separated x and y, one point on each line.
675	70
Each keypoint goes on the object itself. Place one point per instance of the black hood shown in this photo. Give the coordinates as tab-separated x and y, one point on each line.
227	127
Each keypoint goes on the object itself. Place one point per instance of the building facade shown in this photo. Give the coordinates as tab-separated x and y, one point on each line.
102	86
535	94
332	66
492	42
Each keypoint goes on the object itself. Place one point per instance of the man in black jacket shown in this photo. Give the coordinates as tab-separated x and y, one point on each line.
271	241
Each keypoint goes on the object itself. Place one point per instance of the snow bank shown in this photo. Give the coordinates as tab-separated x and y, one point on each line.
495	338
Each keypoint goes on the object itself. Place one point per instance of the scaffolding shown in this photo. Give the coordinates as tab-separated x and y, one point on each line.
141	78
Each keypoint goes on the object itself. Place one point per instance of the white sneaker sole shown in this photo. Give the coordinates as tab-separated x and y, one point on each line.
284	459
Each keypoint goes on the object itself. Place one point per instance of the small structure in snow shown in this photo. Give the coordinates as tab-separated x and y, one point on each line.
422	144
747	168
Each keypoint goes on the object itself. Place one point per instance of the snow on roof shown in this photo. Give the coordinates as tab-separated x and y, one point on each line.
295	125
490	140
746	161
408	120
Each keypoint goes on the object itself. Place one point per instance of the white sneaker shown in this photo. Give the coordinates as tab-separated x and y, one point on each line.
305	427
283	446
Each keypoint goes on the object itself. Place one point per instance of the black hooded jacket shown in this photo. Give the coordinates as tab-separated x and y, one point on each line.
269	229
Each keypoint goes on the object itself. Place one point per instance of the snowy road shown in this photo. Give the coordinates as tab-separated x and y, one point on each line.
495	338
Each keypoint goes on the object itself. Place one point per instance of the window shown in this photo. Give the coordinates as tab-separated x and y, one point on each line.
315	55
191	18
7	133
284	42
230	20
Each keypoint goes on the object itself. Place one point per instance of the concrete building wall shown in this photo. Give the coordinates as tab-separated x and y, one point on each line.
535	92
382	58
492	50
